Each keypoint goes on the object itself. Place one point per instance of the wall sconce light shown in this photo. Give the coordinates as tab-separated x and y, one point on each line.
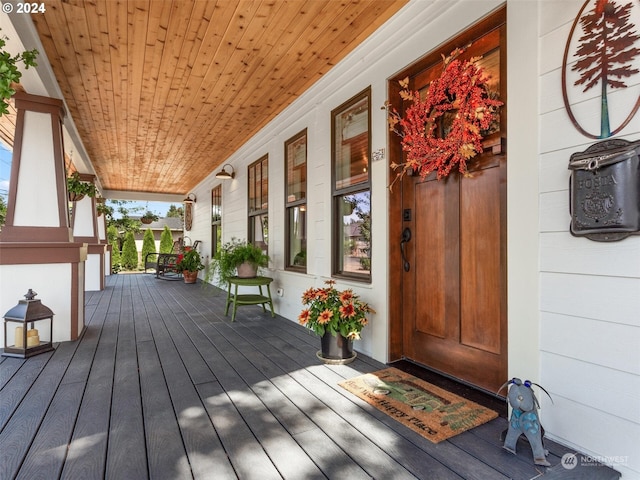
191	198
224	175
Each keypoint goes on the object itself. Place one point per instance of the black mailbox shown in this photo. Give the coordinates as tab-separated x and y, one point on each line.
605	190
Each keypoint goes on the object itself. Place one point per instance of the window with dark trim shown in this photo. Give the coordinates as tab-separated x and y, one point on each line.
351	187
259	202
216	219
295	159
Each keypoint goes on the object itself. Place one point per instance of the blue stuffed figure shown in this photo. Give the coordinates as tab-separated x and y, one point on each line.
524	419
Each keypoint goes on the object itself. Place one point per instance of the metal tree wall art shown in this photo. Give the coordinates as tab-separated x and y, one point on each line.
606	54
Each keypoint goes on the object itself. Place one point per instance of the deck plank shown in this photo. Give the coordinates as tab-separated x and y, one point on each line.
19	384
10	366
22	427
226	364
161	385
203	447
88	446
47	455
126	454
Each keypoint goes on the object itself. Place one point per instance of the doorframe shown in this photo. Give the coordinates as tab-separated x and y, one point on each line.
396	312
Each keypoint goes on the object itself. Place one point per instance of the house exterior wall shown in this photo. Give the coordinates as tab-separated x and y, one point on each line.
589	291
573	303
408	36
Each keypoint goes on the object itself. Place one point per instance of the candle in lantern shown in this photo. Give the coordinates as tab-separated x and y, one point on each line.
33	339
19	343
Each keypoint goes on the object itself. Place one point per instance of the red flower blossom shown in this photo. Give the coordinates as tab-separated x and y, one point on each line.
346	296
303	318
323	294
347	310
325	317
308	296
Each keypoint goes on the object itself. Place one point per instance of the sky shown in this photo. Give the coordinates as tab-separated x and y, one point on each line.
5	170
159	208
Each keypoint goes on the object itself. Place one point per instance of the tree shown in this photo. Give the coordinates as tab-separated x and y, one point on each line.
129	252
112	237
606	52
3	211
123	222
175	212
148	245
166	240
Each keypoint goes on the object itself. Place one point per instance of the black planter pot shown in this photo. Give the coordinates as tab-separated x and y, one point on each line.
336	350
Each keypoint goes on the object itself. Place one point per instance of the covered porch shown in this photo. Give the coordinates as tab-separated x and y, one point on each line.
162	385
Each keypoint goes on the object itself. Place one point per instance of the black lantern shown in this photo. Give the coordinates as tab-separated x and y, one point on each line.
21	320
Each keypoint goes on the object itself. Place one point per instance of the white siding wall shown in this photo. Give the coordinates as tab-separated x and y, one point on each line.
573	325
590	291
406	37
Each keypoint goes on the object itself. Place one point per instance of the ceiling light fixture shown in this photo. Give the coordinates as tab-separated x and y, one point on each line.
224	175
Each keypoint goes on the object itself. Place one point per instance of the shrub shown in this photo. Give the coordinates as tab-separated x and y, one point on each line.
166	240
129	252
112	236
148	246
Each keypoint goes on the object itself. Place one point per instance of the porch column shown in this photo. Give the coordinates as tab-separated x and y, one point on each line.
85	230
37	249
102	239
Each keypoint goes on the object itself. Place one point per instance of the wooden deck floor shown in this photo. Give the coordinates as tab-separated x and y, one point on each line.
161	385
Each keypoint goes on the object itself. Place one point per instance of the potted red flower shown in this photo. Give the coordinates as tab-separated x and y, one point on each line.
189	264
337	316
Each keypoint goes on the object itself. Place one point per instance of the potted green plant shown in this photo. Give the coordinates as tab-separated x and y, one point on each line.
78	189
237	257
189	264
149	217
336	316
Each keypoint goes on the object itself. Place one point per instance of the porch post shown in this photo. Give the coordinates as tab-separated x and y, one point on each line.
85	230
102	239
37	249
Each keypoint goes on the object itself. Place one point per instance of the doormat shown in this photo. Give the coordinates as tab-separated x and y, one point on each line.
434	413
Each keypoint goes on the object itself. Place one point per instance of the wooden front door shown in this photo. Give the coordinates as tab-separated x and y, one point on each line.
453	251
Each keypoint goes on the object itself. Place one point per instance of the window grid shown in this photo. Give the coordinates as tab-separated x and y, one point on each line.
351	188
296	202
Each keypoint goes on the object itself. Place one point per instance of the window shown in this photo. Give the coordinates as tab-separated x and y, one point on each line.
295	157
259	203
351	180
216	219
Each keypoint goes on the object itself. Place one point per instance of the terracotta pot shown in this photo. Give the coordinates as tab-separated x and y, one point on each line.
247	270
190	277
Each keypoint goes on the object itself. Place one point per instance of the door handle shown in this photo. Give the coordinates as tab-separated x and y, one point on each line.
406	236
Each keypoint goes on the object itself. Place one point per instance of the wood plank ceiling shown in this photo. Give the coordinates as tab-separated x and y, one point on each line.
163	91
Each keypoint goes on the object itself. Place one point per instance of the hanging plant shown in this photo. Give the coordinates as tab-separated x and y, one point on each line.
445	129
9	73
149	217
103	208
78	189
